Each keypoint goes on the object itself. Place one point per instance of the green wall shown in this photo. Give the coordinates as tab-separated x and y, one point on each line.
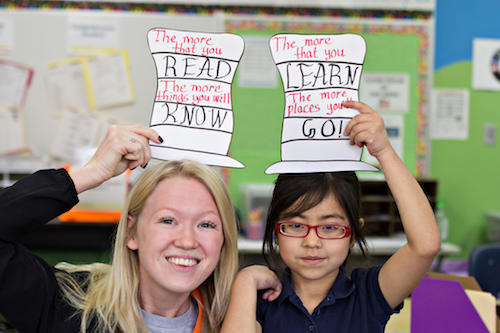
467	170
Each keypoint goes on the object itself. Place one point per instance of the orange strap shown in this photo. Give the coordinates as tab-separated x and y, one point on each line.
197	328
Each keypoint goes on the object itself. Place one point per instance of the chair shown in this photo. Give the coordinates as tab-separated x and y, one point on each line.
484	266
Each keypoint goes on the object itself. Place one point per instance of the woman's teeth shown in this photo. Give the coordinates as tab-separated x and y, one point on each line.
182	261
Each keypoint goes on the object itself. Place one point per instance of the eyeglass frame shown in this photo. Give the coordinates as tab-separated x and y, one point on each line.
347	229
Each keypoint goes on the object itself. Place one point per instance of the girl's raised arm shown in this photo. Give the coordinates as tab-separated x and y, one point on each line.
407	267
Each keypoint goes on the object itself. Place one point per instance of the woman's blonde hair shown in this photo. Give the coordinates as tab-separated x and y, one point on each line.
108	300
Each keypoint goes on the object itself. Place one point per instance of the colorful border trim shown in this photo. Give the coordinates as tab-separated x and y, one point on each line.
210	9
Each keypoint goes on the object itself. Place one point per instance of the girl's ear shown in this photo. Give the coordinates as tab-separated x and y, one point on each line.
131	239
361	222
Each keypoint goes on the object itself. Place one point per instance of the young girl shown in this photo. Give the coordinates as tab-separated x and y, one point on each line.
314	221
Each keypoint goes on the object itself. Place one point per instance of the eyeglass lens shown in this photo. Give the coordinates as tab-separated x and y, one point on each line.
324	231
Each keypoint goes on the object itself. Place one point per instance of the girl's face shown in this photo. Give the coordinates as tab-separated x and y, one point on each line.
178	239
312	259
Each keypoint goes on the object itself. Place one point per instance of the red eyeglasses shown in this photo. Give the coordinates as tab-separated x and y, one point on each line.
324	231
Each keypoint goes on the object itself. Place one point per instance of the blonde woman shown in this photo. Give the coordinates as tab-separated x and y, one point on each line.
174	259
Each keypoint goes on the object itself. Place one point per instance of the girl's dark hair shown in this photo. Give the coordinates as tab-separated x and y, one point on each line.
305	191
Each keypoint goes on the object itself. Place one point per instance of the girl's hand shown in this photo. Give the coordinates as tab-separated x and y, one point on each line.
262	278
367	128
123	147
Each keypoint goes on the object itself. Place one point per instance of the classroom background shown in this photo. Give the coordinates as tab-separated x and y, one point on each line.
428	45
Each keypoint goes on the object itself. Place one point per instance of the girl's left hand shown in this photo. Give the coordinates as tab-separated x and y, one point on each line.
367	128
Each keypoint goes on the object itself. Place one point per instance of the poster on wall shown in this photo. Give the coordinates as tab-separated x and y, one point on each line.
6	34
257	68
12	131
386	91
486	64
91	33
394	125
15	79
449	117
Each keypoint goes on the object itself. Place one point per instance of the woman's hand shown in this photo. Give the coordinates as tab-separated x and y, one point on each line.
123	147
367	128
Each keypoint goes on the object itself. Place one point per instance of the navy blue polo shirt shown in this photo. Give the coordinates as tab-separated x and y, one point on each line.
353	305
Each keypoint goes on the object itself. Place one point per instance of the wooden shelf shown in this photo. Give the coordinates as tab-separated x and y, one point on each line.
379	210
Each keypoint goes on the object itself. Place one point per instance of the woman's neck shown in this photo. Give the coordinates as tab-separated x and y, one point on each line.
170	307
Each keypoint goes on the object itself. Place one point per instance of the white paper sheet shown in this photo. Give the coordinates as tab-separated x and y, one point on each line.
318	72
12	138
192	110
386	91
449	114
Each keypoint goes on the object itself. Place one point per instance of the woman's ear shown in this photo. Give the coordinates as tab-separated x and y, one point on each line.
361	222
131	239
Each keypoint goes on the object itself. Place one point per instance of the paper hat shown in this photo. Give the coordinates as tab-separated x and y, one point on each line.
318	72
192	110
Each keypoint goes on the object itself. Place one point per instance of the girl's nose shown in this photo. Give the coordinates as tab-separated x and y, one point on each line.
312	239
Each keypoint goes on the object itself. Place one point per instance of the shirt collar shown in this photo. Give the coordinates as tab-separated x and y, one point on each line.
342	287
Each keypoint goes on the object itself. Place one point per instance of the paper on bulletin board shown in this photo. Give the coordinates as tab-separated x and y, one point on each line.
449	116
386	91
76	129
257	68
110	82
486	64
394	125
67	85
12	138
6	34
15	79
88	34
90	83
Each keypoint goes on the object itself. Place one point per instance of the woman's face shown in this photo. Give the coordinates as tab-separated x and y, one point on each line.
178	240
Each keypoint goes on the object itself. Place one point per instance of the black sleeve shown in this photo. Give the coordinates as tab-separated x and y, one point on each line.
29	294
33	201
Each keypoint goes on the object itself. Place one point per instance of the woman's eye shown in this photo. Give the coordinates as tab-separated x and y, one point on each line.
167	220
208	225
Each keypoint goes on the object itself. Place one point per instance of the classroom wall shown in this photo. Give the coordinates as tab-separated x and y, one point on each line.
41	38
467	170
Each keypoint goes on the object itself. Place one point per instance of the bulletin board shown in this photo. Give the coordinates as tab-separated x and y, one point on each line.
397	43
49	45
392	47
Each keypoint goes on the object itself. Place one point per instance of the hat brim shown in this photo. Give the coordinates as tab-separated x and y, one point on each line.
318	166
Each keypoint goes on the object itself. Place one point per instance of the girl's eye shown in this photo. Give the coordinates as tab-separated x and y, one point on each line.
330	227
